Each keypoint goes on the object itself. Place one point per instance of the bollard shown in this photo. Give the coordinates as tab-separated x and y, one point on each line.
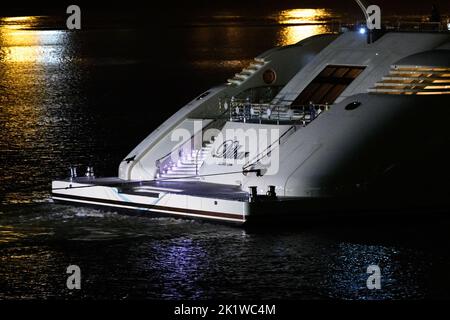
271	193
253	193
73	172
90	172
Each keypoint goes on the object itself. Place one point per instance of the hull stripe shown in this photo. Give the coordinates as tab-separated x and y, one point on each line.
134	205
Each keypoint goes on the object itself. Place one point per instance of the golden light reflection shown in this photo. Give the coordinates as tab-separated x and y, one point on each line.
292	35
24	57
9	234
38	46
295	16
302	23
20	41
19	23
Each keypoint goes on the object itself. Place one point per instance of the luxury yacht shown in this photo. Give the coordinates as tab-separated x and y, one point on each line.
353	122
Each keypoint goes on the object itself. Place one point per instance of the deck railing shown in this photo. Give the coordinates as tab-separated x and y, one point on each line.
238	110
167	161
390	24
242	110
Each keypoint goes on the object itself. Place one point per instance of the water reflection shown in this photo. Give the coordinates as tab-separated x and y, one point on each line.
230	42
15	23
34	46
36	75
347	275
183	262
291	35
9	234
303	23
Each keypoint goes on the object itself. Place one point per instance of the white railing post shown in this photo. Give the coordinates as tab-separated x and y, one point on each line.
196	162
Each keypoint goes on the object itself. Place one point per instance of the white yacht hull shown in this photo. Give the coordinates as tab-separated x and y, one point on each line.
234	207
345	127
158	200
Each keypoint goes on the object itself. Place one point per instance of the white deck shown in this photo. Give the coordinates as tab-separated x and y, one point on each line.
189	199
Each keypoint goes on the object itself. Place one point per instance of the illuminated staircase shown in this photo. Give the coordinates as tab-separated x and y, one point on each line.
188	165
246	73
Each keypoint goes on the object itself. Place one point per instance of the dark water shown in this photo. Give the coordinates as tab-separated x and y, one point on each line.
90	97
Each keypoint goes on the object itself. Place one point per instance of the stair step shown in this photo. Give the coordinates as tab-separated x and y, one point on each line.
241	76
248	71
235	78
177	175
197	156
180	179
194	159
191	167
190	162
189	173
184	169
256	65
235	82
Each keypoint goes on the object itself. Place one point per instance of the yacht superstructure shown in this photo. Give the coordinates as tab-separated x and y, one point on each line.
305	126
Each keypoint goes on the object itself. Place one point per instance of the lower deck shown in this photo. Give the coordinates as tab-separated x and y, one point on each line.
225	203
181	198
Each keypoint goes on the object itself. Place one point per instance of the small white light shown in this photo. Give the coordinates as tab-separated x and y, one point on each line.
362	30
448	26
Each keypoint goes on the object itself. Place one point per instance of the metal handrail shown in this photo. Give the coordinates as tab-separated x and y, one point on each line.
276	110
257	158
265	152
338	25
237	104
214	121
408	25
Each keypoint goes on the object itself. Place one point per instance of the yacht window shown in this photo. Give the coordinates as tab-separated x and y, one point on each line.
353	105
328	85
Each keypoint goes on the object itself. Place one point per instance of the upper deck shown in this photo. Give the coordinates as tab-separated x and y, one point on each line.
352	50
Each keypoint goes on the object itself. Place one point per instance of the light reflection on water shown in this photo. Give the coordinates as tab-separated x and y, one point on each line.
141	257
37	72
291	35
303	23
15	23
136	257
38	46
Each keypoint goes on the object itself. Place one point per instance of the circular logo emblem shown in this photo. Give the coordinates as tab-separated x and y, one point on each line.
269	76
